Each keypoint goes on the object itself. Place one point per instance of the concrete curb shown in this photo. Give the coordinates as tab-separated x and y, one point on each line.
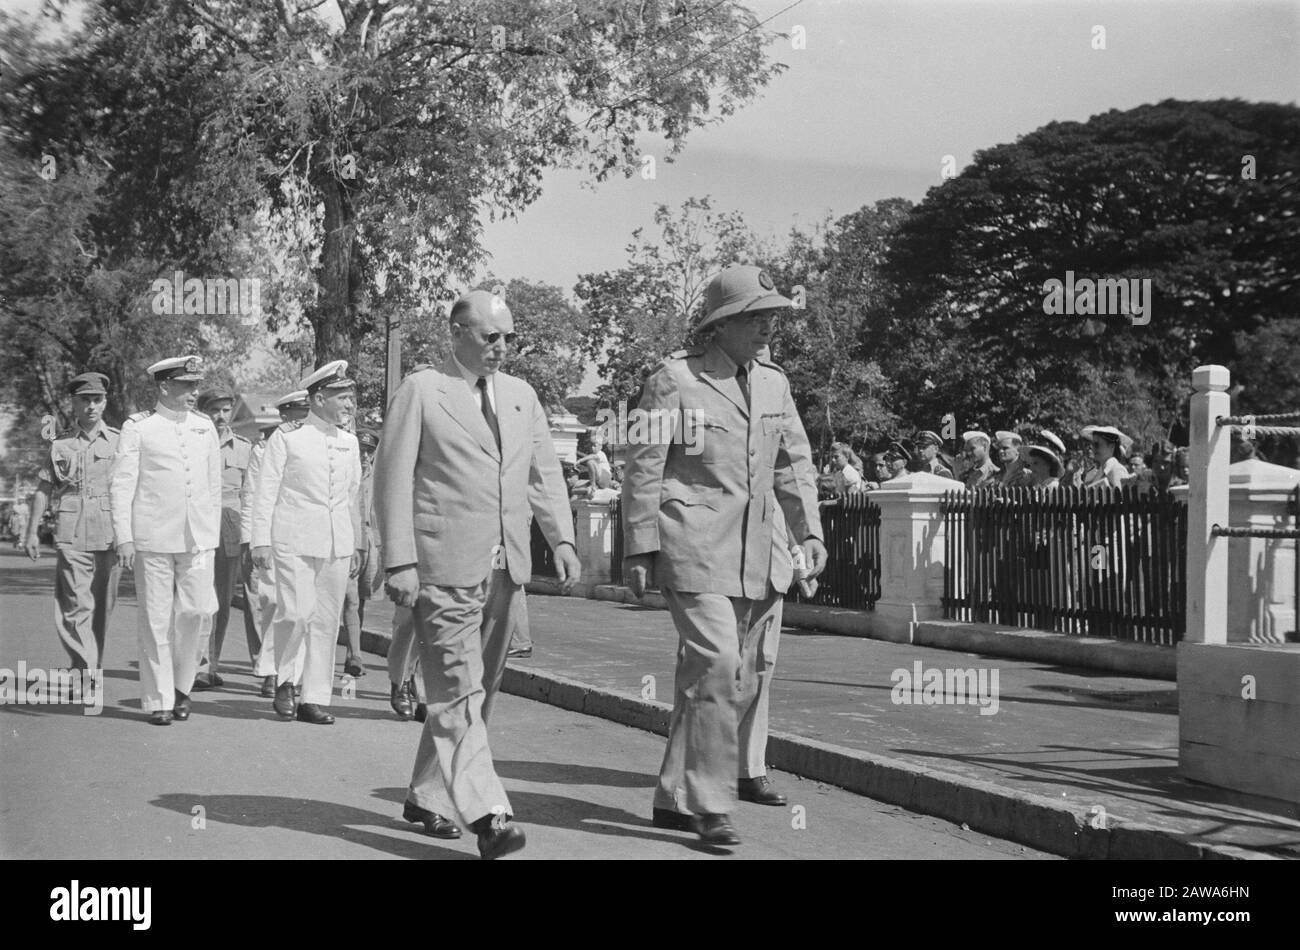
1145	660
1032	820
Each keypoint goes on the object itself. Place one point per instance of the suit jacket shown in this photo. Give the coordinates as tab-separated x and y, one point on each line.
307	498
707	508
166	477
445	497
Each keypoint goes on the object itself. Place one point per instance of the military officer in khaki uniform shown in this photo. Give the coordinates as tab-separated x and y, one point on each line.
236	454
1014	474
259	583
927	450
75	480
166	495
306	522
982	473
698	519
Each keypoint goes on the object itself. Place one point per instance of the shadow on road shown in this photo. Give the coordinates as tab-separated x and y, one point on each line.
310	817
563	774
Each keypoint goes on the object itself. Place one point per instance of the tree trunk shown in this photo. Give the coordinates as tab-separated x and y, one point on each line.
332	316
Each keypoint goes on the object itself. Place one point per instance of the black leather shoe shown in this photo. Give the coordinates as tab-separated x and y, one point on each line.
310	712
497	837
162	717
268	686
201	682
181	710
285	703
672	820
759	791
352	666
400	701
524	654
421	712
435	825
716	831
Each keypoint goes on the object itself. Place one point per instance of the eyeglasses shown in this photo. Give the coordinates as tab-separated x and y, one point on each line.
495	335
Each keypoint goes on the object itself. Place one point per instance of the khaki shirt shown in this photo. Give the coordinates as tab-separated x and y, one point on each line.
981	476
76	477
236	455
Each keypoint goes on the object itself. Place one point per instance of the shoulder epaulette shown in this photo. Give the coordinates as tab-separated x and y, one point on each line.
140	416
290	426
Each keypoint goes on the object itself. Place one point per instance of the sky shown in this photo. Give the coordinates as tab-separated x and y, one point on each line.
884	90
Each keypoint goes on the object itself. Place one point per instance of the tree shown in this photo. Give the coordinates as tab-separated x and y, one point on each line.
1200	198
640	313
374	134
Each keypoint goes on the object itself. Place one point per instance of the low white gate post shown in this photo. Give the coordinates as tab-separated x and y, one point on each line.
1207	499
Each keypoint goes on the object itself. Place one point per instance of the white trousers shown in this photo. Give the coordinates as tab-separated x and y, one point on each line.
260	598
176	602
309	603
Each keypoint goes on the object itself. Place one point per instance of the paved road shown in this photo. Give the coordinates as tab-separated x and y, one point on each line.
111	786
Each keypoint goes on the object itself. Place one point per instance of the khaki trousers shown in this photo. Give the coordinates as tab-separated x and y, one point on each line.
85	592
726	655
463	634
176	601
227	573
309	595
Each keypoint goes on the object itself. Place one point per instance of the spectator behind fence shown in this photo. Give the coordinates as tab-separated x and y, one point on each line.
927	454
1014	472
845	467
982	473
899	457
1109	447
880	470
1044	467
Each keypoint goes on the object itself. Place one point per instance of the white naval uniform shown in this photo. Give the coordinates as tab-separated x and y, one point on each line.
259	596
165	491
306	507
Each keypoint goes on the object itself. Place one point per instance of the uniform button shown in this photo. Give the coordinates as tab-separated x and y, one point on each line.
753	451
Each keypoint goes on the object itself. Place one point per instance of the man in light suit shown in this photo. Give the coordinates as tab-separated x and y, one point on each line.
165	493
465	454
698	517
307	523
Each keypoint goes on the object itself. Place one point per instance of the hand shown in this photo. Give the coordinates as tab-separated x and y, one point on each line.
262	556
567	567
126	555
639	573
32	546
814	553
355	564
403	586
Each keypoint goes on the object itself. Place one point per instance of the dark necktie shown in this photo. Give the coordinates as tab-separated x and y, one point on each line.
488	413
742	377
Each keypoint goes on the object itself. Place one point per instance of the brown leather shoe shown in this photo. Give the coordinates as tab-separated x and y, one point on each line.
497	837
759	791
310	712
435	825
716	831
672	820
285	703
400	700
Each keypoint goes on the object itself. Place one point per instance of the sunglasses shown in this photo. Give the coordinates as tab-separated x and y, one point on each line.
495	335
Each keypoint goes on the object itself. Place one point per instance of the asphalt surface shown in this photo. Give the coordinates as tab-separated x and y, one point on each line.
236	782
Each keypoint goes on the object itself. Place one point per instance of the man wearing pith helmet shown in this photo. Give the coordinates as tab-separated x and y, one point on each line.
698	522
165	489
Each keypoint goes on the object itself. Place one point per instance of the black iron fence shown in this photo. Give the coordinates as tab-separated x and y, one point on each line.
851	526
1103	563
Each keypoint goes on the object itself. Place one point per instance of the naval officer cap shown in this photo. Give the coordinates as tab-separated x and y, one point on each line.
739	288
926	437
88	384
294	400
183	369
368	438
331	376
